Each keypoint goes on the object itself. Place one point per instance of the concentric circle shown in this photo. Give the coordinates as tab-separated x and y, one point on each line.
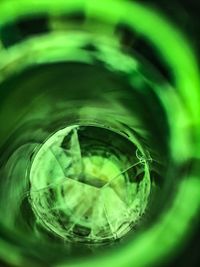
181	103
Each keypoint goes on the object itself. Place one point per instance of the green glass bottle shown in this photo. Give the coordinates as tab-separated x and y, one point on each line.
99	134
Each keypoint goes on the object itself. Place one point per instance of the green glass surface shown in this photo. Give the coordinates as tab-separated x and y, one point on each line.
99	148
78	180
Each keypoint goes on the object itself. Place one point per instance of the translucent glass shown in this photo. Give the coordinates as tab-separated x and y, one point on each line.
100	134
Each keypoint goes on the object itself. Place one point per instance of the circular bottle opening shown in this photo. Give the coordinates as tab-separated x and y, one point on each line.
89	184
